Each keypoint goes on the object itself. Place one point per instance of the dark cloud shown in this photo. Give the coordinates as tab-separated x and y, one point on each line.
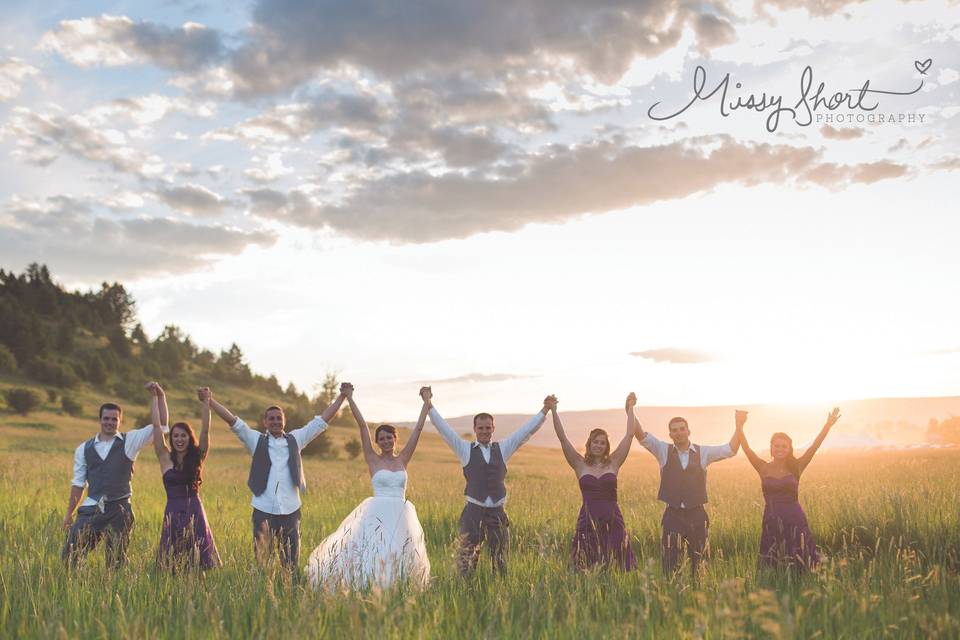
674	356
66	233
560	183
118	40
290	41
713	31
848	133
193	199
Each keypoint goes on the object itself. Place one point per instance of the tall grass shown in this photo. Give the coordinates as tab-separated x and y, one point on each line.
887	524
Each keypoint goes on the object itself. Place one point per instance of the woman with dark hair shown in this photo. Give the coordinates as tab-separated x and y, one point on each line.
381	542
600	538
785	539
185	538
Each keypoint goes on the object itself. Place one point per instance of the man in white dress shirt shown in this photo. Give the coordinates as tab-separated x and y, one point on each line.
276	475
484	467
104	466
683	486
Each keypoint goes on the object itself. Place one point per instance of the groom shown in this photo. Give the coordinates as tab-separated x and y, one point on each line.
276	474
104	466
683	486
484	465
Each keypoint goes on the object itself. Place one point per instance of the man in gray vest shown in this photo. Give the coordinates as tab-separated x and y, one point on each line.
484	465
683	487
276	475
103	465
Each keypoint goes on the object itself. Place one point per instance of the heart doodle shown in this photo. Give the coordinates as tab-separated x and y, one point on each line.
923	66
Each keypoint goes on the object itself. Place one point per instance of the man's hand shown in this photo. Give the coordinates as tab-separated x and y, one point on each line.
741	417
68	521
550	403
204	395
154	388
631	402
427	394
346	390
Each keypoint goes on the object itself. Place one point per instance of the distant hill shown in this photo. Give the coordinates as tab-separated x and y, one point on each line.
881	422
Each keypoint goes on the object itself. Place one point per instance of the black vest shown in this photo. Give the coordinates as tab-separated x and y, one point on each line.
108	478
260	466
683	486
485	480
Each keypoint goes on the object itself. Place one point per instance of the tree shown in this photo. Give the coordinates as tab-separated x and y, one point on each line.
23	401
353	448
8	362
70	406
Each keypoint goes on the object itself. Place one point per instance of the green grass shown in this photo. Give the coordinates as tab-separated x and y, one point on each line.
887	523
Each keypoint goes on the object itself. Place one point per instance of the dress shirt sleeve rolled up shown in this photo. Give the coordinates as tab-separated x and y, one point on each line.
79	468
134	441
459	446
712	453
510	444
657	447
305	434
247	436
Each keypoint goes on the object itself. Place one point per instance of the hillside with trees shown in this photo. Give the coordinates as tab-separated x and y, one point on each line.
68	344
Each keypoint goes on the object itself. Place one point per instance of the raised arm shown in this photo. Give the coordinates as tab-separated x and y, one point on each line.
159	446
632	422
574	459
740	417
426	393
346	390
459	446
331	411
205	427
206	396
758	464
619	455
510	444
807	456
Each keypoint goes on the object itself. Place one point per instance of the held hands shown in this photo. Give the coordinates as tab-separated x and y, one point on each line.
631	402
741	417
832	417
204	395
346	390
550	403
154	388
427	394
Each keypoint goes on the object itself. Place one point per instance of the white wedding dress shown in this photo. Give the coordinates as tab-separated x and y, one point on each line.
381	542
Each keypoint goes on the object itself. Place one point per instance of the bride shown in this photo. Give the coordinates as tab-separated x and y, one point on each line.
381	541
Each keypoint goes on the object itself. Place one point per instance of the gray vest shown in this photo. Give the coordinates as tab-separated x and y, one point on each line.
683	486
260	467
108	478
485	480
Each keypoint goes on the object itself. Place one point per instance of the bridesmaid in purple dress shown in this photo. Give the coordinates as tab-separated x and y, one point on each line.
786	539
185	539
600	538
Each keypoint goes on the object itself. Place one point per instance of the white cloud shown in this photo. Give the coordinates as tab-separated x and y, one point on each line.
13	71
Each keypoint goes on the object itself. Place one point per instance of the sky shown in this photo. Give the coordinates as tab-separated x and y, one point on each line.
505	200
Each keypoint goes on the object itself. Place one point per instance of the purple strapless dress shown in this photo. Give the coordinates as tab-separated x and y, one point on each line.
786	538
185	537
601	537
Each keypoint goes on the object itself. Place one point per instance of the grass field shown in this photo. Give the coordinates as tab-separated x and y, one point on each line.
887	523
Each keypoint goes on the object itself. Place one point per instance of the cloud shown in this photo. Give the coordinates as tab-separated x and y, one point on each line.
477	377
841	134
713	31
673	355
66	233
559	183
193	199
42	138
947	164
13	71
291	41
359	113
112	41
820	8
947	76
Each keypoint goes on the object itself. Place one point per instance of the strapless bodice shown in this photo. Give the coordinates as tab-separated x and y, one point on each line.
780	490
389	484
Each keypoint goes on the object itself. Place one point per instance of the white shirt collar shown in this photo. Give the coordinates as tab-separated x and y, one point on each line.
97	438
